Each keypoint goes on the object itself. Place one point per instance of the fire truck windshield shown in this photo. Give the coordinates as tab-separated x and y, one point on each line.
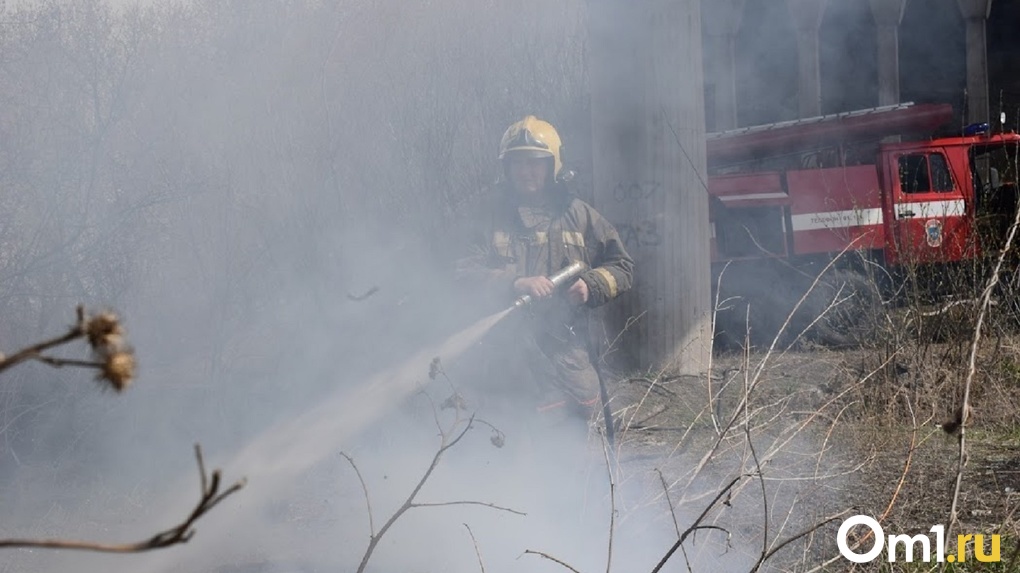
992	167
994	174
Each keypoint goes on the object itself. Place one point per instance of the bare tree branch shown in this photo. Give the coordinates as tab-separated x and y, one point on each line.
697	524
445	444
113	357
33	352
175	535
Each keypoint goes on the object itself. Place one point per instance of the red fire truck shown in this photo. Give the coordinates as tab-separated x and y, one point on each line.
872	189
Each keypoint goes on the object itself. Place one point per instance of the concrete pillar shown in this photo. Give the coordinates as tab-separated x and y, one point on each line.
648	146
888	14
721	20
975	14
807	18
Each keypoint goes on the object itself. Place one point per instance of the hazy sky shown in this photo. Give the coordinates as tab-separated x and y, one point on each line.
118	3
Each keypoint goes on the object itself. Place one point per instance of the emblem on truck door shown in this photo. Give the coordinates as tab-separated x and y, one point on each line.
933	232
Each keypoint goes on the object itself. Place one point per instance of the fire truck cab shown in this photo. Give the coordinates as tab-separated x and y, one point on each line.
866	189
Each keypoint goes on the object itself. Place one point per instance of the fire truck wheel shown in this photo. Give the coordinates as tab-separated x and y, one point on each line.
852	309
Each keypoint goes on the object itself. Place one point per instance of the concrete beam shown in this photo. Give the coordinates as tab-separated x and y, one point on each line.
721	21
888	14
975	13
975	9
648	147
807	18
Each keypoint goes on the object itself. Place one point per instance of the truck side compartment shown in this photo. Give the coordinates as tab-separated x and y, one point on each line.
787	198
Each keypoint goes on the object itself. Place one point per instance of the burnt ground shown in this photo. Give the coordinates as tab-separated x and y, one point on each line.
858	431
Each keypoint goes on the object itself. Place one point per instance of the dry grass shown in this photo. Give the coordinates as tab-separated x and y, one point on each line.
879	415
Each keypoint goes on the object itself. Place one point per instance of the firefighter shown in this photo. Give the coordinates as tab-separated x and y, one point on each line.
531	227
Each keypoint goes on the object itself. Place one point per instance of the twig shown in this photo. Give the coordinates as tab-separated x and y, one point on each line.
445	444
715	313
947	307
481	503
672	511
796	307
363	296
652	385
104	334
498	438
202	477
33	352
687	559
697	524
764	493
612	505
409	502
61	362
550	558
828	435
631	321
364	489
176	535
642	422
795	537
481	564
676	137
906	467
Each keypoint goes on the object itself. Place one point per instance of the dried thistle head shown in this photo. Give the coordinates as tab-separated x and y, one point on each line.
118	369
497	439
104	332
455	401
435	368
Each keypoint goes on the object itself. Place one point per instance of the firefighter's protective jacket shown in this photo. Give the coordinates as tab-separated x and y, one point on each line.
514	239
529	239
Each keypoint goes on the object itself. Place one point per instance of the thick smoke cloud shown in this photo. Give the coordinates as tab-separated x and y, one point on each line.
268	192
232	176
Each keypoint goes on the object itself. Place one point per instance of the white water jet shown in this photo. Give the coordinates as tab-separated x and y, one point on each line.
274	460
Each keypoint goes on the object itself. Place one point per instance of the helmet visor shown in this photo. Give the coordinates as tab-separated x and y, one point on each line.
528	153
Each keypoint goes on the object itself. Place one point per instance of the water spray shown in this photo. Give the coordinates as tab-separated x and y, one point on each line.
558	279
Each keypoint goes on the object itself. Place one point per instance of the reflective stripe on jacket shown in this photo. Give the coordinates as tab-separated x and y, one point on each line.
519	240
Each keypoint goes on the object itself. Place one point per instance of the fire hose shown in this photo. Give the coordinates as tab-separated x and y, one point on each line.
558	279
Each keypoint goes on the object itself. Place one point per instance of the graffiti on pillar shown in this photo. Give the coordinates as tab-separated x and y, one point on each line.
640	234
635	191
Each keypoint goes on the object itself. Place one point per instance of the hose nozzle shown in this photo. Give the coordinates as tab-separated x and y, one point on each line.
558	279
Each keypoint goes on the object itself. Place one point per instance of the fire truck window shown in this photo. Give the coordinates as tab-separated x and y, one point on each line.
941	180
993	165
914	174
750	231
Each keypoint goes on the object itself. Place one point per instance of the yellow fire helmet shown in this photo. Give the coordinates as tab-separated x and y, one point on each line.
534	136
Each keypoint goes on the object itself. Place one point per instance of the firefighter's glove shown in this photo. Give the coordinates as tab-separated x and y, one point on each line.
578	294
537	287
